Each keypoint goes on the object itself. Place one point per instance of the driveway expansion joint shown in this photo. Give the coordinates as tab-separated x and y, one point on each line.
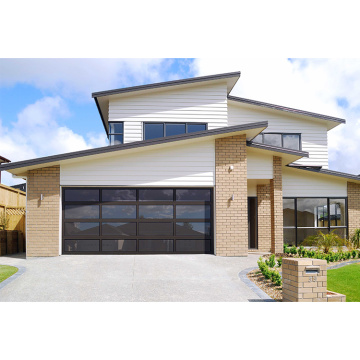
263	296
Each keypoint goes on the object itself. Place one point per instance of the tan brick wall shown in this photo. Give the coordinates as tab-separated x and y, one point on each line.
300	286
277	235
231	215
42	223
264	217
353	190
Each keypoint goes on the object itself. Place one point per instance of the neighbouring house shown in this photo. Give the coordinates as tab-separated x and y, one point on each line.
3	161
21	187
189	169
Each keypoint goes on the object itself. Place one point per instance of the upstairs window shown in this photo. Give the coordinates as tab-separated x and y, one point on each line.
116	133
288	141
159	130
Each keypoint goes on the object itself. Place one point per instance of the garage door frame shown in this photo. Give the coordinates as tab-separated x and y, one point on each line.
209	239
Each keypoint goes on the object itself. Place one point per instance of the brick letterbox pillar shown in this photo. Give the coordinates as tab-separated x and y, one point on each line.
304	280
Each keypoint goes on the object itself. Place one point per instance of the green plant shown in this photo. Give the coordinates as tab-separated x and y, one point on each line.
279	261
4	221
286	249
300	250
276	278
324	242
353	254
355	238
271	261
293	250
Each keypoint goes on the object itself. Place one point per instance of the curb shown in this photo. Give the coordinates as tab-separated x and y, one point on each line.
342	264
263	296
20	271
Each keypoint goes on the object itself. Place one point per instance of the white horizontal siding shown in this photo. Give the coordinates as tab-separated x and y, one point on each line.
206	104
132	131
308	184
313	133
179	165
259	166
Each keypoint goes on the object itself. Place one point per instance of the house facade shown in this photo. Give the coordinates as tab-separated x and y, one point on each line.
189	169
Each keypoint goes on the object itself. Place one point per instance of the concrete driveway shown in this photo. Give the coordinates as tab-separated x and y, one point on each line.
129	278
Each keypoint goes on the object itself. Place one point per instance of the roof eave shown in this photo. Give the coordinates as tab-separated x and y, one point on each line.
287	109
219	132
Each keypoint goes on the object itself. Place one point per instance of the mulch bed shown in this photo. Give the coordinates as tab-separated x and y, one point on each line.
275	292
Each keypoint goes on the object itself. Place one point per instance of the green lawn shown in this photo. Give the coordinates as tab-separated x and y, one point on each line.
345	281
6	271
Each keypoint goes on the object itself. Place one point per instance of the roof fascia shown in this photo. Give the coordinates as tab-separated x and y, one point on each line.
219	132
327	172
287	109
166	84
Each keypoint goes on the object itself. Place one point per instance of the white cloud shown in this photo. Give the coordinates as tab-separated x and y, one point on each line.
307	84
38	132
78	78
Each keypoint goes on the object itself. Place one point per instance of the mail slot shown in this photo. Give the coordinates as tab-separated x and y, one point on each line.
311	270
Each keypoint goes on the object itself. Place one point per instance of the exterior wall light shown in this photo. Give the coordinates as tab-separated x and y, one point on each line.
231	168
41	197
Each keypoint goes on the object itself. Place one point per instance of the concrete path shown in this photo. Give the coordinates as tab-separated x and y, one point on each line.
129	278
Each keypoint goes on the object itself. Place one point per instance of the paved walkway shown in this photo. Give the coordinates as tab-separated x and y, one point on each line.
129	278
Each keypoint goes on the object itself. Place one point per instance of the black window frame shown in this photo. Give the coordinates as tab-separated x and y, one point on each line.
110	133
172	123
209	239
329	227
282	138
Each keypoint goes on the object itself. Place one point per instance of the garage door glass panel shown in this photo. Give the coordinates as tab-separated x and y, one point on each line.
119	245
119	195
82	195
193	228
82	212
201	246
117	228
156	212
156	194
119	211
82	245
81	228
193	194
160	229
193	211
156	245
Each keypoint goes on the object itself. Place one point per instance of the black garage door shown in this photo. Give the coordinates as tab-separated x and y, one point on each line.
137	220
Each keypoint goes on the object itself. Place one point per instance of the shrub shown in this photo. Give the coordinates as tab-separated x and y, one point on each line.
293	250
4	221
355	238
279	261
286	249
323	241
276	278
353	254
272	261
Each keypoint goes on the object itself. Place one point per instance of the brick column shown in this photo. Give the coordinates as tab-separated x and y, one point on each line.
264	217
231	215
277	235
353	192
42	216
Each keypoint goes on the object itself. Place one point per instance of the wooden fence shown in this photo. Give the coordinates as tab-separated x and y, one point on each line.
12	204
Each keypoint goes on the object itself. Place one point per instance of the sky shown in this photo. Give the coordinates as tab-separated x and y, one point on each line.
46	106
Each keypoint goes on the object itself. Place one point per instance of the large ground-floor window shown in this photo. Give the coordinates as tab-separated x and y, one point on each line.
306	216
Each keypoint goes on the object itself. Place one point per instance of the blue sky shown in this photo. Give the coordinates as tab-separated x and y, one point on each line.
46	106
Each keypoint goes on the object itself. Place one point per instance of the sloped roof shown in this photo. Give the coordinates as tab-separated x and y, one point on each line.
287	109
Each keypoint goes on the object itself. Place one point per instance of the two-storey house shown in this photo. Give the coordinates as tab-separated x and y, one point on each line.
189	169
